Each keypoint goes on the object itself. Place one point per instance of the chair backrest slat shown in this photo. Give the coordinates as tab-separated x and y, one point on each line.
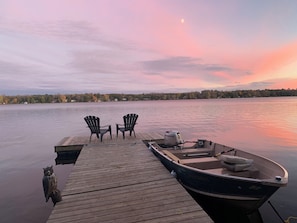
130	121
93	123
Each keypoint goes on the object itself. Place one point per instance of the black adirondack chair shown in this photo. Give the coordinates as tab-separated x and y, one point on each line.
94	125
129	124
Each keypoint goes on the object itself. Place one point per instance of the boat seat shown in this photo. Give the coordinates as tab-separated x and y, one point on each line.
195	152
199	160
202	163
171	155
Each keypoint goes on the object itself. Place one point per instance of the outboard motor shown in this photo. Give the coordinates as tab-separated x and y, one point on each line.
172	138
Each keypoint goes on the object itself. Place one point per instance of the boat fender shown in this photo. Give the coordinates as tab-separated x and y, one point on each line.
173	173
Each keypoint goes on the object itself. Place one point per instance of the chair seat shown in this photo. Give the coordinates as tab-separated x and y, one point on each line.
95	128
129	124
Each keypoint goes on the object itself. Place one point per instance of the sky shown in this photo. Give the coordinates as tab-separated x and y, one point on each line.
145	46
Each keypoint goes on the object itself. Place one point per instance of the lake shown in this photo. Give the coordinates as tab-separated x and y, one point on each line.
266	126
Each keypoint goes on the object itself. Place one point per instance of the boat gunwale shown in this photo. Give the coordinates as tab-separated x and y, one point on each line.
223	196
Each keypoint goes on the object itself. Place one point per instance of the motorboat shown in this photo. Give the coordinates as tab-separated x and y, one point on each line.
231	176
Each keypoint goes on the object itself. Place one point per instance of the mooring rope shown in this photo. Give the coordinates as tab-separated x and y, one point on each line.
285	221
290	218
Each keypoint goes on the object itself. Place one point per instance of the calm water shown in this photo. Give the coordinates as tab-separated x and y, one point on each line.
266	126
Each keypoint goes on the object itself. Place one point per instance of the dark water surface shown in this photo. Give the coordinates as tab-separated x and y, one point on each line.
266	126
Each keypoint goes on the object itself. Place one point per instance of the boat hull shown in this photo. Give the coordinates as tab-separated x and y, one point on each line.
242	194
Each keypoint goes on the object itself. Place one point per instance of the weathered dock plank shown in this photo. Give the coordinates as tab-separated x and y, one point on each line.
122	181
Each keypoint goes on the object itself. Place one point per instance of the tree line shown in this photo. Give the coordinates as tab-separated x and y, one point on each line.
97	97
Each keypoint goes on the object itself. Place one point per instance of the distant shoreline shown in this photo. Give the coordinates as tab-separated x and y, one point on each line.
97	97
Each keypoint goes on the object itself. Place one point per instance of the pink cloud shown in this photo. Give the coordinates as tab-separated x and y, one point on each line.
284	83
278	58
217	45
267	64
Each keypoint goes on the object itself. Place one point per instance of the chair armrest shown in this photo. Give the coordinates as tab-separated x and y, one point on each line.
105	125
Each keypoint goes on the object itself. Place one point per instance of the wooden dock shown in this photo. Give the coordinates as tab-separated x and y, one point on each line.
122	181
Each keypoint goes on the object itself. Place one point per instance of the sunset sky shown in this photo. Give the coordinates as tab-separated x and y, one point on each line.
140	46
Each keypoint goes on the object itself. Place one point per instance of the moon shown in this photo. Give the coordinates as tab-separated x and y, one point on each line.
182	20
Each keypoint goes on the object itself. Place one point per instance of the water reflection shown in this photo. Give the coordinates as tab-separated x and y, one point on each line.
67	157
222	213
266	126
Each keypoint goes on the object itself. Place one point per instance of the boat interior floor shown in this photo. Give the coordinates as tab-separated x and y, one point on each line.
206	162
